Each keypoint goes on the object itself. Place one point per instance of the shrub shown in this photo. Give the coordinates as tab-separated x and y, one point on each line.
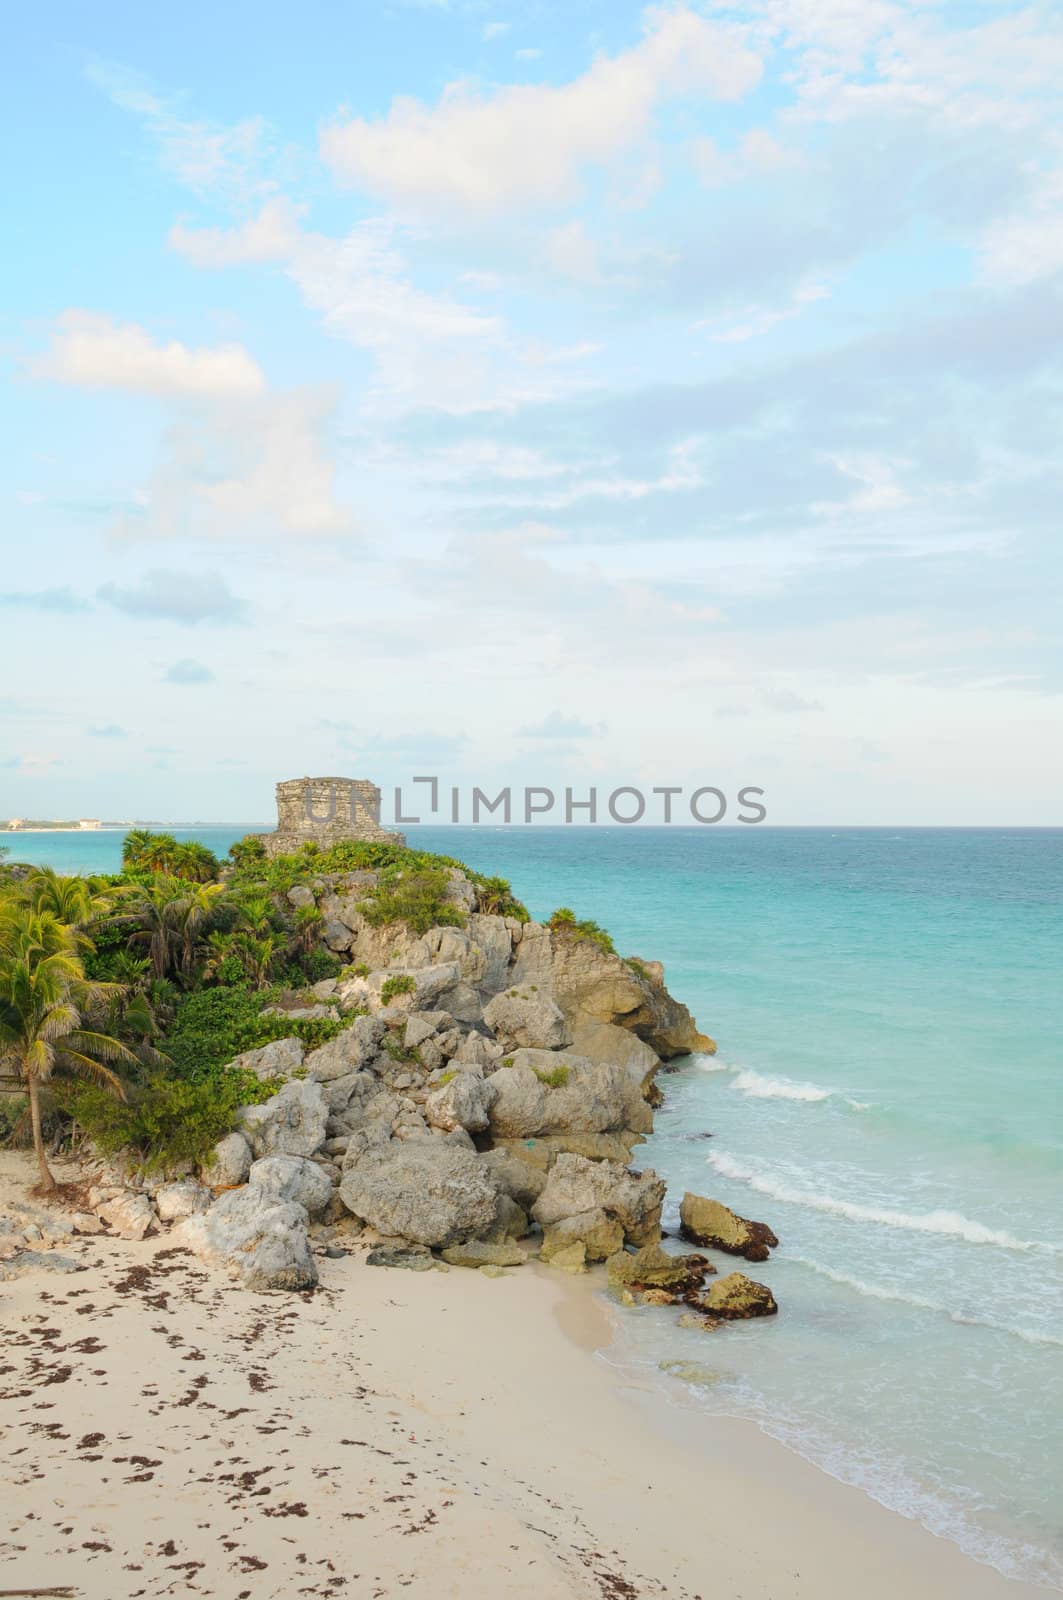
166	1122
416	898
13	1108
565	922
359	971
556	1078
214	1025
400	983
638	968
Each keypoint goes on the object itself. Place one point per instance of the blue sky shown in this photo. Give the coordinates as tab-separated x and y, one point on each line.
582	394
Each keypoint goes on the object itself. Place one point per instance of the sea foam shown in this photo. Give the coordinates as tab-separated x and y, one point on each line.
952	1224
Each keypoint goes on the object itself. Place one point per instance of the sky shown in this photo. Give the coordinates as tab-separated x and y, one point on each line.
583	394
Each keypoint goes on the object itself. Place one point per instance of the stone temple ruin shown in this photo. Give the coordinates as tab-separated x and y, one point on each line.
324	811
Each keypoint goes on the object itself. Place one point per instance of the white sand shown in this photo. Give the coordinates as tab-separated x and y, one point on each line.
396	1433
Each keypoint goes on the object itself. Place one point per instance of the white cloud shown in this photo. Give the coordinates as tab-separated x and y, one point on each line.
269	236
526	145
1028	244
206	157
259	471
94	351
572	253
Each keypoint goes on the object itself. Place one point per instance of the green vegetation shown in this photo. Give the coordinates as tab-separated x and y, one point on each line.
417	898
556	1078
44	998
164	1122
214	1026
638	968
148	982
565	922
400	983
144	851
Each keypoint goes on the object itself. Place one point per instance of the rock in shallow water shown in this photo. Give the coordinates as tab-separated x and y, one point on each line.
735	1298
713	1225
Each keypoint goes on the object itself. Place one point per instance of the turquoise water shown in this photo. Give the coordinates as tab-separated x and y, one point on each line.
887	1094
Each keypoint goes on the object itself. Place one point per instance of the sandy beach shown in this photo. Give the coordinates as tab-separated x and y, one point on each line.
429	1434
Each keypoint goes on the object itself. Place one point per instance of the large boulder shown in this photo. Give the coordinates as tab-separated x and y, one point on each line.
526	1017
556	1091
653	1268
183	1198
278	1059
600	1234
604	1041
464	1101
259	1241
348	1052
575	1185
427	1190
523	1181
128	1215
592	984
228	1163
735	1298
293	1178
292	1123
714	1226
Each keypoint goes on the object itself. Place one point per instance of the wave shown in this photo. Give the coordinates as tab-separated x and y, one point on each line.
878	1291
951	1224
758	1086
768	1086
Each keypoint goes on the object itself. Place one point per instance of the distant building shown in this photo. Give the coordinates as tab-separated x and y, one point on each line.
15	823
324	811
89	822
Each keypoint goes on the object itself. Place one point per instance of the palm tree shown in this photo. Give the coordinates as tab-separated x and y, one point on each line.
43	994
193	912
135	847
158	905
192	860
78	902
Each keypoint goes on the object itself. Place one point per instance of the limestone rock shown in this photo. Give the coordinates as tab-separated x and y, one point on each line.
350	1051
521	1180
464	1102
556	1091
128	1215
278	1059
604	1041
652	1267
293	1178
300	895
291	1124
182	1199
411	1257
525	1017
511	1222
260	1242
716	1227
427	1190
230	1162
691	1372
573	1258
575	1185
592	985
481	1253
600	1234
735	1298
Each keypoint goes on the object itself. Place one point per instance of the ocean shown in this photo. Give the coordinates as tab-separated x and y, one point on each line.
888	1092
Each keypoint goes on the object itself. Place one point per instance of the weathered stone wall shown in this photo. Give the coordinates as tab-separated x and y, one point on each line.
332	805
326	810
